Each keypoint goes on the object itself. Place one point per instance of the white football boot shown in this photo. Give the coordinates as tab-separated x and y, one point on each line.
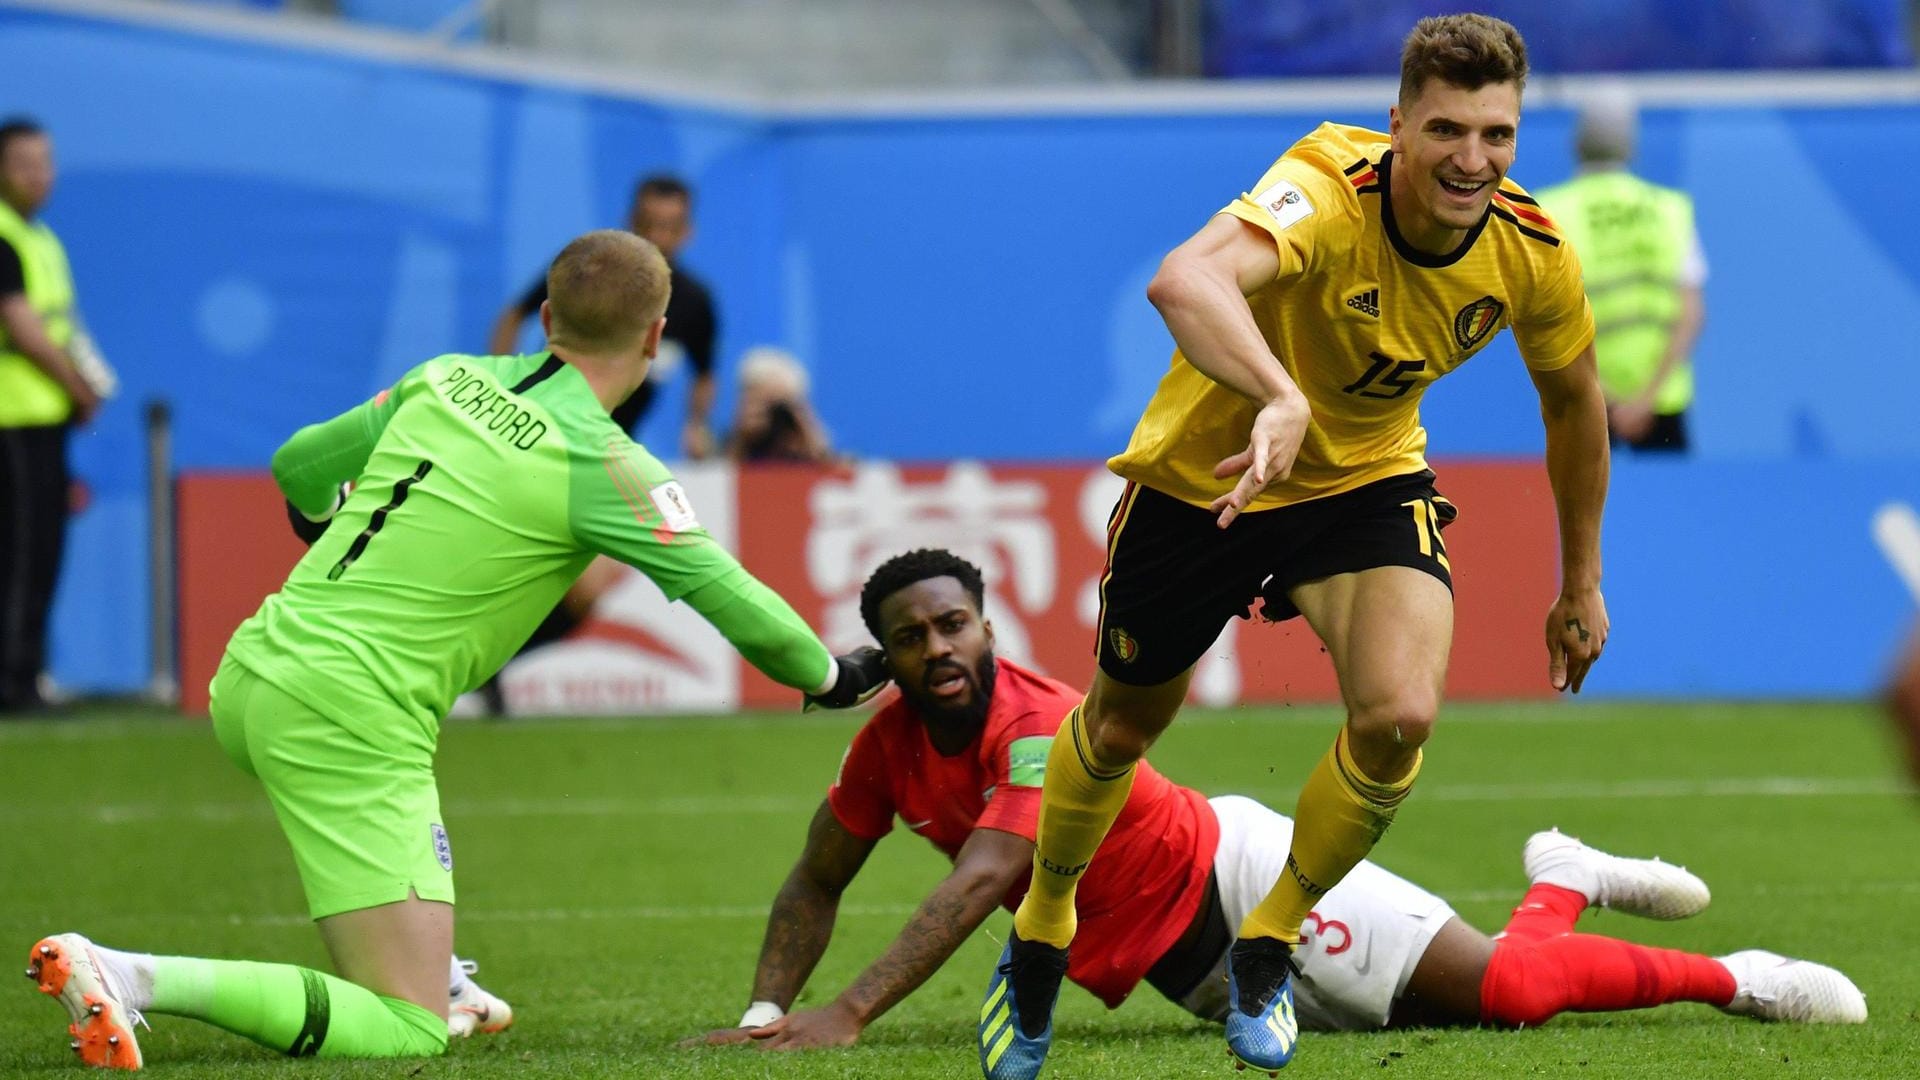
470	1008
1646	887
66	968
1775	987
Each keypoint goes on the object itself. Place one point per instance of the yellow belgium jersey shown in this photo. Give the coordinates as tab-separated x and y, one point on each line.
1363	323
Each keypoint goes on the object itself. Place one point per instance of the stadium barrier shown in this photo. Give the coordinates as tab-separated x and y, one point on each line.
363	204
163	683
1037	531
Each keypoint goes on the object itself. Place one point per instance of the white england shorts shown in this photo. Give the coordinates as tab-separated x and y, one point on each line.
1360	944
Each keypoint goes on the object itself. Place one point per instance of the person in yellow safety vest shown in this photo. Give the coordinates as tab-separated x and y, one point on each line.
1644	272
44	392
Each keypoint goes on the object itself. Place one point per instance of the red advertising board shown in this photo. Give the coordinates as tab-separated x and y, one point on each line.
234	547
1036	531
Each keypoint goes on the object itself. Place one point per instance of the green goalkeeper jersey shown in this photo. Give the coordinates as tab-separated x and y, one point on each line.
483	486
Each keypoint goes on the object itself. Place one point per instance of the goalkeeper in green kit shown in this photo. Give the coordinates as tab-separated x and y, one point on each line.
482	486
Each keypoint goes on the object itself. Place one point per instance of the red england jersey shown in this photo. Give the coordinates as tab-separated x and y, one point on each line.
1145	883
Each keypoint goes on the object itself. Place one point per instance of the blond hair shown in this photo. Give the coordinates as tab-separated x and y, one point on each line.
1468	51
775	369
606	287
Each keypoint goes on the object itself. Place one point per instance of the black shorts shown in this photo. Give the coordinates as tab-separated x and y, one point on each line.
1174	578
1668	434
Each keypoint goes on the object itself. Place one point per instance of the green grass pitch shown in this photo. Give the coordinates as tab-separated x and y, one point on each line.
614	875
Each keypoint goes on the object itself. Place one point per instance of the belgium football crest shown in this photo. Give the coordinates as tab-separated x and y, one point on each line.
1475	321
1123	644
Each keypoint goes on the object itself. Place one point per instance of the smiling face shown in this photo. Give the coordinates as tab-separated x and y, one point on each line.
940	652
1451	148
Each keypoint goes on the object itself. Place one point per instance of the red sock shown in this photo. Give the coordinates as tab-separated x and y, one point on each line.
1546	911
1530	982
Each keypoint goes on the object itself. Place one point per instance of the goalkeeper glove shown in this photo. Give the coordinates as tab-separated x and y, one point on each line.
862	674
310	529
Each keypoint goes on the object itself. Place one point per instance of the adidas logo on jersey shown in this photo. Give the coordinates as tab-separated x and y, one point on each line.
1367	302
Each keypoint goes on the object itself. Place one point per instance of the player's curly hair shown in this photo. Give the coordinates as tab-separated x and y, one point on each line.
915	566
1468	51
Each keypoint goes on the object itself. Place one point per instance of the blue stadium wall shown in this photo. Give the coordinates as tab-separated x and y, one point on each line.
263	234
1263	39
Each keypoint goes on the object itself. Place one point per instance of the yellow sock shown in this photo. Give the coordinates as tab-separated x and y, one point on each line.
1341	815
1078	803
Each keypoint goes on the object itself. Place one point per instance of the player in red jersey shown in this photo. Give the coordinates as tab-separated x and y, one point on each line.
958	758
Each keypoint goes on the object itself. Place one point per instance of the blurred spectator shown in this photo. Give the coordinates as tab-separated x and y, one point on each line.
1644	272
1903	703
773	420
662	212
43	394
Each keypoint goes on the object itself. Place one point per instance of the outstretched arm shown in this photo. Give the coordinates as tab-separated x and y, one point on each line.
987	866
1201	290
311	466
765	629
627	506
801	922
1575	413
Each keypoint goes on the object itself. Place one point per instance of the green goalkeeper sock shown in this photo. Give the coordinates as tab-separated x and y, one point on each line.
296	1010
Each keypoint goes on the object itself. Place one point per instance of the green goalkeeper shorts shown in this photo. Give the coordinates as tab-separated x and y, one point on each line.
363	820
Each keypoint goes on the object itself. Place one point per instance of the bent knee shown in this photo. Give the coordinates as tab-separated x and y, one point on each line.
1120	739
1405	721
1121	722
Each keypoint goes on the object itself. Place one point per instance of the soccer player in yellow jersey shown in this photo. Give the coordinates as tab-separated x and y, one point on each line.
1282	460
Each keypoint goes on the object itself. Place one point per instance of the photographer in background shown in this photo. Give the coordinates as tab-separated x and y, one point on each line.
773	420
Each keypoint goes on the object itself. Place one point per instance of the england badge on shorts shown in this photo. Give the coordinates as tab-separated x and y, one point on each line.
442	848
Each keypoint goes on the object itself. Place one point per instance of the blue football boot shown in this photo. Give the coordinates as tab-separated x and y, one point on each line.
1262	1030
1016	1022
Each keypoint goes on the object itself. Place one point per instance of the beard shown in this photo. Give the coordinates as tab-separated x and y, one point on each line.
966	716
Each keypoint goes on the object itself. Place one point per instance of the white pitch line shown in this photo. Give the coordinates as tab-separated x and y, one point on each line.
1725	788
1512	895
645	913
754	912
473	811
251	810
1746	787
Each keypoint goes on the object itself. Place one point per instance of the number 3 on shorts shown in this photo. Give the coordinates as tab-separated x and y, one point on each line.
1426	526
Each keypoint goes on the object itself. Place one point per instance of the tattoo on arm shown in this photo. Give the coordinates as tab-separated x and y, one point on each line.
801	922
936	930
798	930
1574	625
